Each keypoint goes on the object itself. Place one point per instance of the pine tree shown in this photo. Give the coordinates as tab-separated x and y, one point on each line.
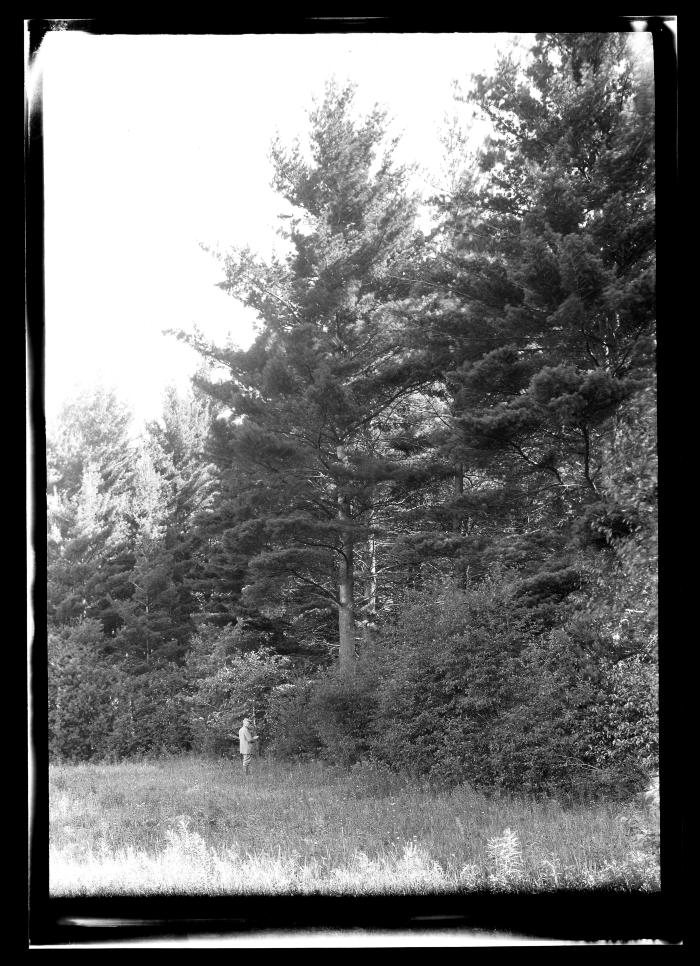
89	461
545	308
94	426
331	362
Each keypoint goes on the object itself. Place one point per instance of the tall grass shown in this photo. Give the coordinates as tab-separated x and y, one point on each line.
195	825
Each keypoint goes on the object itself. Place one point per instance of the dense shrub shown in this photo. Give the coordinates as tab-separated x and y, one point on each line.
447	673
624	725
328	716
152	714
342	708
99	711
291	726
469	686
82	688
585	724
227	686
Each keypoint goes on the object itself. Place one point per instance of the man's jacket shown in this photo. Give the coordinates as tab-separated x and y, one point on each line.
246	736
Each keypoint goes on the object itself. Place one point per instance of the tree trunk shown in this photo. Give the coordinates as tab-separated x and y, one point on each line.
346	581
458	491
372	585
148	641
346	606
458	523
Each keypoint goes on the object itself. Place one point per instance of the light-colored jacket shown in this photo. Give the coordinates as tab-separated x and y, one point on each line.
247	740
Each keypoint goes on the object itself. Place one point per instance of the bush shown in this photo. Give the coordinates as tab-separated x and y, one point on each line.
291	727
328	716
152	715
82	688
624	726
469	686
447	673
584	724
231	688
342	708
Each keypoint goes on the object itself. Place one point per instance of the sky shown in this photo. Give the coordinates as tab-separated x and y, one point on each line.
156	145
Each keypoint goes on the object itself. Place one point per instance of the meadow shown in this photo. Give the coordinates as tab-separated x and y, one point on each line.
195	825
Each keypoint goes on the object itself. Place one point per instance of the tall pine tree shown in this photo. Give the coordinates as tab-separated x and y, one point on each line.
331	365
545	278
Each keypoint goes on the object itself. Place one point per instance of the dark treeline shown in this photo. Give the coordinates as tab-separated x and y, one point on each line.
415	522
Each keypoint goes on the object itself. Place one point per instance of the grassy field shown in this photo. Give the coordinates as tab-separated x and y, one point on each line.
195	825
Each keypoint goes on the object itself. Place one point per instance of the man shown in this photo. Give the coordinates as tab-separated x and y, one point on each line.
247	738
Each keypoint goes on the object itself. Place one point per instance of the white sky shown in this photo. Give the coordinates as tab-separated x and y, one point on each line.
154	144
